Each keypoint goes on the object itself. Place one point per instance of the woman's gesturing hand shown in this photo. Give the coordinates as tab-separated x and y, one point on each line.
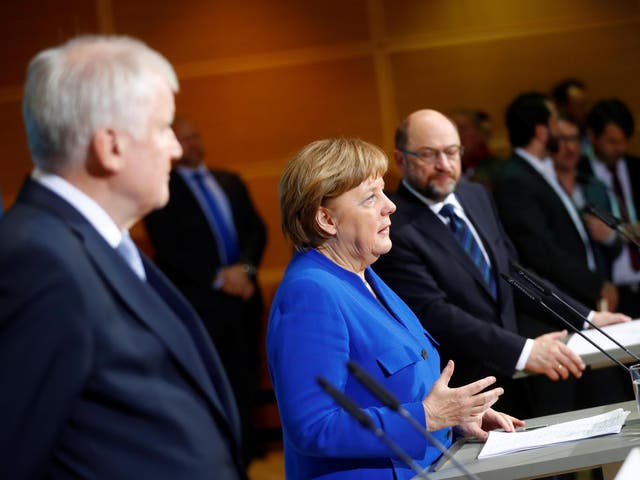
447	407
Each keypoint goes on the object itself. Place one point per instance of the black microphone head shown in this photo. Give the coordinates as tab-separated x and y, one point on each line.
532	278
518	286
605	217
381	393
349	405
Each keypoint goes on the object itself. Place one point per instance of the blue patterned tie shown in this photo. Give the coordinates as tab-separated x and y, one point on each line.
226	236
463	234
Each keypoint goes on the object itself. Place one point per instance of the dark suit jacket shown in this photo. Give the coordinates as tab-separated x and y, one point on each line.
186	251
433	274
186	248
633	166
537	222
104	376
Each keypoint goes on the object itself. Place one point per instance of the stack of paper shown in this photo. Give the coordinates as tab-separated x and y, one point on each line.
501	442
625	333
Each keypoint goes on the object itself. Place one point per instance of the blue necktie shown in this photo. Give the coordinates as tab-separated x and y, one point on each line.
127	249
463	234
226	235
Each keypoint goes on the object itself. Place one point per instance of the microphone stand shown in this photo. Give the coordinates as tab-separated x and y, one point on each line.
388	399
540	285
365	420
626	230
514	283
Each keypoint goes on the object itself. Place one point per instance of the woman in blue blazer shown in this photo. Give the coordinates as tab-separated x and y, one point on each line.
331	307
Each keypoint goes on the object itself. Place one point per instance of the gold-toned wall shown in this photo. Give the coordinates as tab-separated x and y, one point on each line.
263	77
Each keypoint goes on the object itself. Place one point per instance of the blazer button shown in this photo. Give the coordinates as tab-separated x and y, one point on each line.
424	353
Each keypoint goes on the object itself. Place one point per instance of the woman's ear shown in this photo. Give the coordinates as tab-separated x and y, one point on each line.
107	150
325	220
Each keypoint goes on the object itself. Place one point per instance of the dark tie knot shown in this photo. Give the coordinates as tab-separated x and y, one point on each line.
448	211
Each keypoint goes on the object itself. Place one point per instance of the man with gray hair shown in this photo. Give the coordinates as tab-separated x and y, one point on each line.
111	373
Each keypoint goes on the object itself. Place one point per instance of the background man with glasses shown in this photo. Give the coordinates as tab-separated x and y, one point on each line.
448	252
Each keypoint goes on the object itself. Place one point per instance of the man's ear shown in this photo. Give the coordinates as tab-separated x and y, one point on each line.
325	220
107	150
541	133
400	159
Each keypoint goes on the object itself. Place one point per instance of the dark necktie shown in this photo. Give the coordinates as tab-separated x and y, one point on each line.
634	253
127	249
226	235
465	237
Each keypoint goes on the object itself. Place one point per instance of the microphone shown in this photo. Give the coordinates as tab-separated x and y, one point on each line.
605	217
626	231
365	420
517	285
388	399
539	284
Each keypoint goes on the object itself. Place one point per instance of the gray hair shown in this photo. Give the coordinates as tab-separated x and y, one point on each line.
88	83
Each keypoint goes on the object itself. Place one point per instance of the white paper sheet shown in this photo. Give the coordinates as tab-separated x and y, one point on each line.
625	333
500	443
630	467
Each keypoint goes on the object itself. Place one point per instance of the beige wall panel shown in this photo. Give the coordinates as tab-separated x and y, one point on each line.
16	161
267	115
263	191
252	123
490	74
30	25
196	30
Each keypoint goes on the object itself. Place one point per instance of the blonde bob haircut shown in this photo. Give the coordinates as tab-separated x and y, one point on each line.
323	170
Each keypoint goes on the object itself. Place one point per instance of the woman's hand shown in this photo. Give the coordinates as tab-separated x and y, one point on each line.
489	421
447	407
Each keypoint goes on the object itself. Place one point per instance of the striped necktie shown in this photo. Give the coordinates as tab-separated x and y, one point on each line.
634	253
465	237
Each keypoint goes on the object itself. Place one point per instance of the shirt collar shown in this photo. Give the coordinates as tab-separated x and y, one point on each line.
85	205
433	205
542	165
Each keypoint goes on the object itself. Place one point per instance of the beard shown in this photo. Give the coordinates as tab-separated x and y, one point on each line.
433	192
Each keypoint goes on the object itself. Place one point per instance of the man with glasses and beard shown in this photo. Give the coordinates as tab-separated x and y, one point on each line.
448	252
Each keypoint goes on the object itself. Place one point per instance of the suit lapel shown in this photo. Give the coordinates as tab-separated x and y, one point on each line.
432	228
140	297
478	217
198	334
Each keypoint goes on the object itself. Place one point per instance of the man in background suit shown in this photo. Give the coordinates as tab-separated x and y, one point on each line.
540	218
585	190
551	236
209	240
472	316
610	126
108	372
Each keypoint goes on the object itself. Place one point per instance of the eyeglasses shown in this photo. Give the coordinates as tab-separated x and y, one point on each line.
431	155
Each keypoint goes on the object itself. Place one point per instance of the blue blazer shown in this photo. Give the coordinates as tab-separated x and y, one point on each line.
322	316
103	375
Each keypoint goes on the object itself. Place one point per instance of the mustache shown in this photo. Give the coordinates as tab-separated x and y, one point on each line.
433	192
